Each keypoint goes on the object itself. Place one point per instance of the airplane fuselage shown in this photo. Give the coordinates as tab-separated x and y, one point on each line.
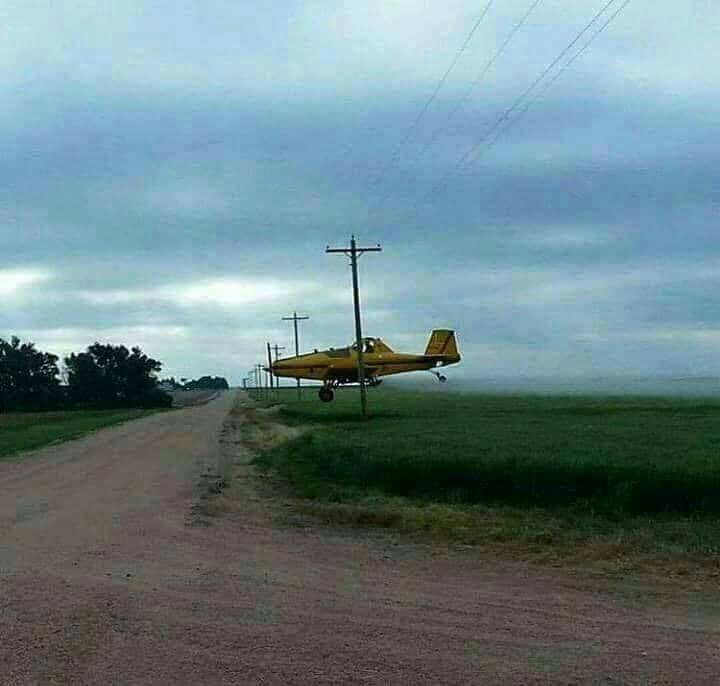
343	365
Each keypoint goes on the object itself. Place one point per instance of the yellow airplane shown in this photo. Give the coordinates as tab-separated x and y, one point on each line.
338	366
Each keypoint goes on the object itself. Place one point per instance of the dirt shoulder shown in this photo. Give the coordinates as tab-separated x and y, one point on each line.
109	576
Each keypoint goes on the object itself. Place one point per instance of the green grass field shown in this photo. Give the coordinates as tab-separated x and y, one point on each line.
615	457
27	431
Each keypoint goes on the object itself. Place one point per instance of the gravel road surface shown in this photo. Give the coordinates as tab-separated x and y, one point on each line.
106	577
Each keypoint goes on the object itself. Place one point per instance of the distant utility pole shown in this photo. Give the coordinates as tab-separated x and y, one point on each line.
259	377
276	349
252	379
270	374
354	253
295	319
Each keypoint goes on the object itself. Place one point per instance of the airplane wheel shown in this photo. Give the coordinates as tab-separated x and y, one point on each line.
442	379
326	395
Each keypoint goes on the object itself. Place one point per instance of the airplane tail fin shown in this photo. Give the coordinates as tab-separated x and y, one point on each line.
443	344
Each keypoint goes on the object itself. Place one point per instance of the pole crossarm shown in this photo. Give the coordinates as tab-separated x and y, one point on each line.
353	252
345	251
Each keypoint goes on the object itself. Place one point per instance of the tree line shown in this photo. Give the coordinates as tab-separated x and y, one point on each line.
103	376
204	383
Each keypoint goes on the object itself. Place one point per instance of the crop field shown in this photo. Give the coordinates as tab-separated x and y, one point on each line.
28	431
611	455
623	474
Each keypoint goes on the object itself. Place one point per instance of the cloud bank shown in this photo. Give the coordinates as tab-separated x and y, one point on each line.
171	175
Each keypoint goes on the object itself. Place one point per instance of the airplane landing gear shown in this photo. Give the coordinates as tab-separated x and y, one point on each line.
326	394
440	377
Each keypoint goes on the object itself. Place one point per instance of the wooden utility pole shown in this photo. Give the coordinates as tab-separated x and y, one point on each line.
276	349
270	374
295	319
354	253
252	379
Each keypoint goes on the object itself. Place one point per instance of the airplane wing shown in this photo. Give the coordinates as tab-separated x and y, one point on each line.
389	369
317	372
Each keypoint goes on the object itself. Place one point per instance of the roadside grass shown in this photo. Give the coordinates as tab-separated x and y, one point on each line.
20	432
624	473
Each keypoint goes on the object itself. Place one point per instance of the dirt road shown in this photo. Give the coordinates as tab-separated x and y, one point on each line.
104	579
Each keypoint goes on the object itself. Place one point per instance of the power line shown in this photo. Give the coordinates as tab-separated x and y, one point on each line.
467	157
411	129
463	99
549	84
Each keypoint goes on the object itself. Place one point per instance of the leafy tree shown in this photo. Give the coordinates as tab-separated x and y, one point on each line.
112	376
28	378
215	383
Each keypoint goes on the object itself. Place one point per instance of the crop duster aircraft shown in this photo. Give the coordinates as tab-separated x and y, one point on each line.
338	366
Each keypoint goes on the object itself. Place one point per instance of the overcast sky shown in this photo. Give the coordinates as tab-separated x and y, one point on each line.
171	172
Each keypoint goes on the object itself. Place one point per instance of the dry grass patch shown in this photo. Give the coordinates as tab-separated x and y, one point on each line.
238	488
263	429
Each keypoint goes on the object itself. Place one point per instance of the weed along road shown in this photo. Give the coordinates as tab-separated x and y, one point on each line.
108	574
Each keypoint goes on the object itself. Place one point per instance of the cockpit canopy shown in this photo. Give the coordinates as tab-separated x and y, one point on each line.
369	345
